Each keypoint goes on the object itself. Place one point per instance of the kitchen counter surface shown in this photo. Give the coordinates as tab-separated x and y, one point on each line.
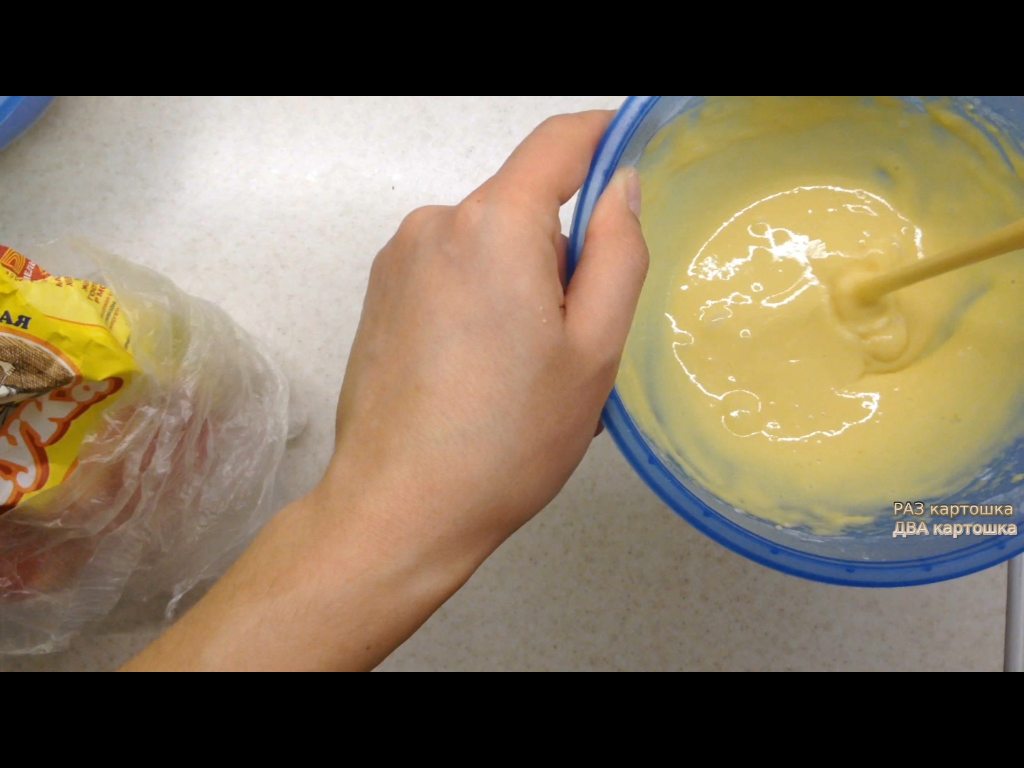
274	208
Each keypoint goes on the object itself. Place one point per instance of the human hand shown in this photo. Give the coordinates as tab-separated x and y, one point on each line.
473	389
478	375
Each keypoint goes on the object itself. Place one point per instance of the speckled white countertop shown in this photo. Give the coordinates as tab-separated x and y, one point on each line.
274	208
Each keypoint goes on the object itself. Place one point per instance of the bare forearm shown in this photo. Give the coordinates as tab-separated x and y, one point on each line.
320	589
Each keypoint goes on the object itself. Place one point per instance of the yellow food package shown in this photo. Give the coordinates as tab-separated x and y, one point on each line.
140	438
65	357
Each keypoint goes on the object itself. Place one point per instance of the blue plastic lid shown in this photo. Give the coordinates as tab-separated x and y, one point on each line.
18	113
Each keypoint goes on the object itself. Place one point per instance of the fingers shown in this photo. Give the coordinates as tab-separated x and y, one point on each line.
603	293
552	162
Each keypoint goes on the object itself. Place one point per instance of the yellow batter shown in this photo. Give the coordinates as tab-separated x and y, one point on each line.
739	367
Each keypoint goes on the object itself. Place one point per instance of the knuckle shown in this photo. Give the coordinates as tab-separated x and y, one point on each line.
471	214
600	372
570	123
554	124
643	257
419	220
626	243
378	268
606	362
599	355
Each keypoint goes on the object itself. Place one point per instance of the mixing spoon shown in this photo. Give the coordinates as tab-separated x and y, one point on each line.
869	290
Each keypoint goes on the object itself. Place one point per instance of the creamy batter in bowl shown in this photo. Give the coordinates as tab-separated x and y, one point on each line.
840	541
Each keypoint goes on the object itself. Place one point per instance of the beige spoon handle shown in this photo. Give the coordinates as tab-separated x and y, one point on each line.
1001	241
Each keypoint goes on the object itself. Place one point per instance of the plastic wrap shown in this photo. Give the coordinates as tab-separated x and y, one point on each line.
170	483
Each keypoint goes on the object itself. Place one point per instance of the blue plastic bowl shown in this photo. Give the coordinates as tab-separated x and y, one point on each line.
18	113
867	558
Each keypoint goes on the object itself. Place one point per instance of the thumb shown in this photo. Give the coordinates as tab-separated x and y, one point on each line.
603	292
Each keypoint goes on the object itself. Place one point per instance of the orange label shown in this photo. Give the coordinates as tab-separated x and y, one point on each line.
19	266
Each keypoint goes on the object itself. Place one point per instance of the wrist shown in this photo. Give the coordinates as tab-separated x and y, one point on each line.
375	583
363	530
410	518
323	587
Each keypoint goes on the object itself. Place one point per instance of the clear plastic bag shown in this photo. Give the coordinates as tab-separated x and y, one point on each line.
169	487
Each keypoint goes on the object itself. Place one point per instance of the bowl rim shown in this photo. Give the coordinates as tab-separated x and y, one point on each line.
18	114
905	573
